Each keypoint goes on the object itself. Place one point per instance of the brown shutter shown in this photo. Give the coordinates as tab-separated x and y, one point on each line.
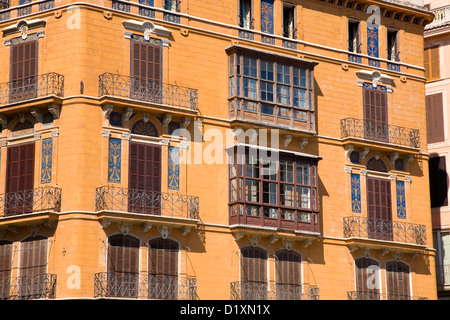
364	292
5	268
397	274
434	63
426	61
288	267
146	64
33	256
375	115
163	269
23	71
379	209
435	118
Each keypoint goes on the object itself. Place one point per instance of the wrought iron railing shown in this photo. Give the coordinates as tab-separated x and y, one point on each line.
246	22
116	85
379	131
112	198
289	30
144	286
253	290
4	4
39	286
361	295
39	86
387	230
29	201
354	46
393	55
443	274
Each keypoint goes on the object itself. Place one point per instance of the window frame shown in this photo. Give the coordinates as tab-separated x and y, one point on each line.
354	45
392	54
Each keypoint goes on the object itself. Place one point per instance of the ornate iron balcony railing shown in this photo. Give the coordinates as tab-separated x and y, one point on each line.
393	55
112	198
360	295
354	46
144	286
379	131
30	201
39	86
40	286
116	85
379	229
253	290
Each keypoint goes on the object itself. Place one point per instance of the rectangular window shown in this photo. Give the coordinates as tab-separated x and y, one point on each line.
245	14
172	5
438	182
392	46
432	63
289	29
435	118
23	71
354	43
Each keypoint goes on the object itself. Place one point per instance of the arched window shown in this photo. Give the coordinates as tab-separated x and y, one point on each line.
163	269
288	273
376	165
5	268
367	279
123	266
253	273
397	274
145	128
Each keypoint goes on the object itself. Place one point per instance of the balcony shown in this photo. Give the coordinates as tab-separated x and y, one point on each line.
359	295
441	17
43	199
155	92
40	286
380	132
41	86
173	205
253	290
385	230
144	286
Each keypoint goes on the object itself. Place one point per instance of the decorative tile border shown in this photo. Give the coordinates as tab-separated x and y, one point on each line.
401	202
246	35
169	17
46	5
46	161
114	160
118	5
356	193
174	168
289	44
268	40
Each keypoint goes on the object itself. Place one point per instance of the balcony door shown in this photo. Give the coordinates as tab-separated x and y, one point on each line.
253	273
375	115
379	209
397	274
33	268
367	279
144	178
146	75
23	77
288	273
19	179
6	248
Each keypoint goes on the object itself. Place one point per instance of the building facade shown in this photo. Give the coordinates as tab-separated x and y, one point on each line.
437	52
243	149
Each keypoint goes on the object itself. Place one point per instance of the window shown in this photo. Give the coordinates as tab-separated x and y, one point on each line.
23	71
367	289
354	43
271	189
163	269
397	274
263	84
379	209
442	246
435	118
289	26
5	268
432	63
438	182
392	45
245	14
375	114
172	5
288	275
253	273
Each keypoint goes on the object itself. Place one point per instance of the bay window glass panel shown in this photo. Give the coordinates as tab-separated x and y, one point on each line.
283	94
252	211
287	214
287	195
303	197
300	115
266	70
300	98
283	74
266	91
269	192
287	171
252	190
284	112
299	77
233	191
250	67
250	106
270	170
250	88
303	175
267	109
270	212
252	166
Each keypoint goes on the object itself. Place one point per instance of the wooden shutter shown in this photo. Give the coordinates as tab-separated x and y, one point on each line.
253	273
5	268
426	60
163	269
379	209
434	63
364	292
20	179
397	274
23	70
375	115
435	118
288	265
33	256
438	181
146	64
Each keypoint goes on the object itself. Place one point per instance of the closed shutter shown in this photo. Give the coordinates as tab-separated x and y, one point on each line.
123	266
435	118
23	71
397	274
163	269
434	63
19	179
288	272
144	178
379	209
5	268
253	273
438	182
33	268
426	61
365	288
375	115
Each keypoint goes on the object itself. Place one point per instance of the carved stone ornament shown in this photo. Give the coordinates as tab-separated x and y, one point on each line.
254	240
23	30
164	231
124	228
288	244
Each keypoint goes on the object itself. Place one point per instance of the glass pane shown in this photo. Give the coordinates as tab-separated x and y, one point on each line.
252	211
252	166
300	115
283	94
250	67
284	112
267	109
283	74
270	192
266	70
233	190
270	212
287	171
303	176
287	195
299	77
250	106
252	190
250	88
303	197
287	215
300	98
269	170
266	91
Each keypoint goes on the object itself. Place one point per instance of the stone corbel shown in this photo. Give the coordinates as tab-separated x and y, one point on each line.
273	239
185	231
185	122
349	149
3	121
303	143
237	132
409	159
393	157
54	110
128	114
107	109
288	244
124	228
367	252
238	236
254	240
164	231
287	139
37	114
307	243
146	117
384	252
364	152
146	226
166	120
377	155
397	256
105	223
34	229
353	248
414	255
13	230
